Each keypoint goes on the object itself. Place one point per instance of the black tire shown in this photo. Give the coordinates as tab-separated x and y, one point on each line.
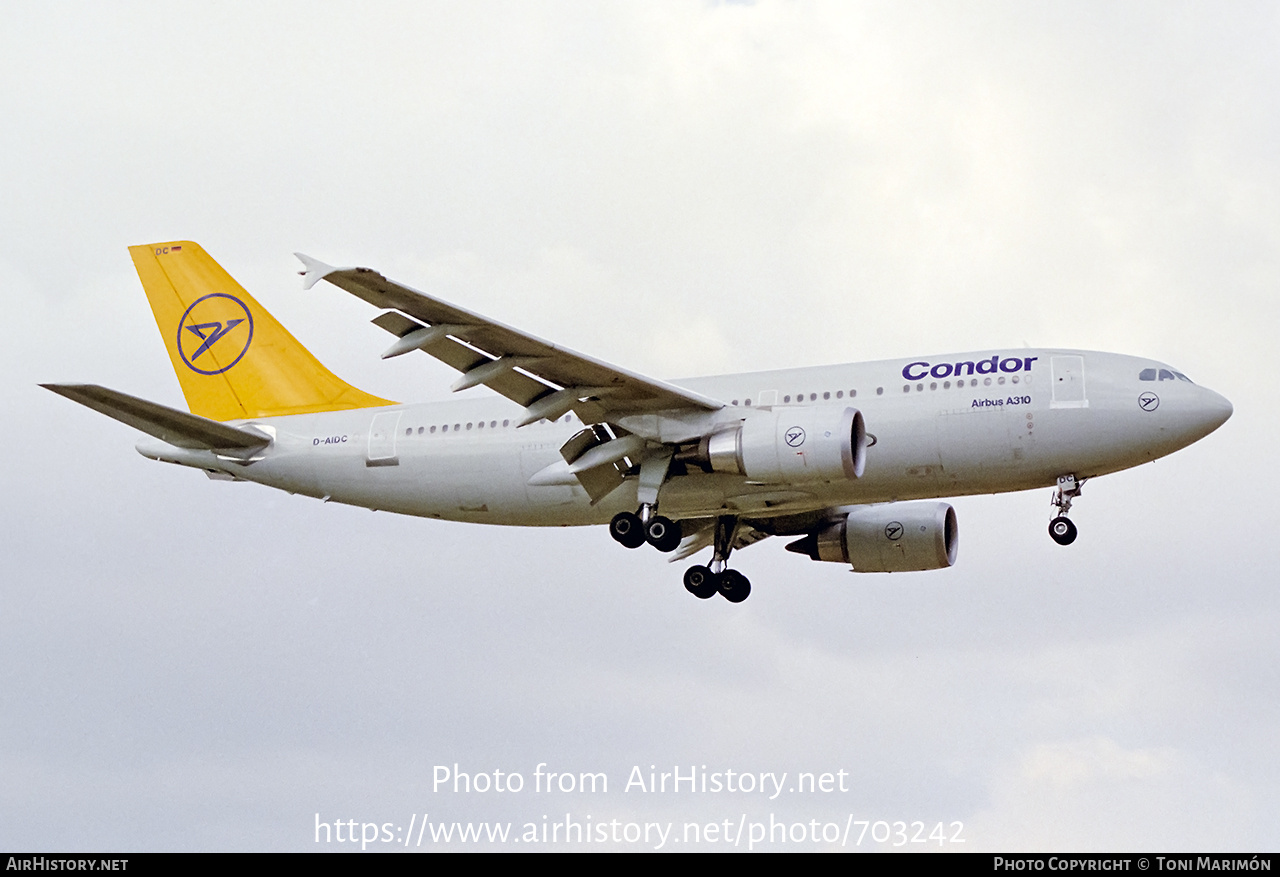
627	530
664	534
733	586
1062	531
700	581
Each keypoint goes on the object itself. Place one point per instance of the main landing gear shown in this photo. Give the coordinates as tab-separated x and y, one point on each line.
705	582
633	529
1061	530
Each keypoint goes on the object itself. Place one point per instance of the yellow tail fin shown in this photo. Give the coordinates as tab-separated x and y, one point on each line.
233	359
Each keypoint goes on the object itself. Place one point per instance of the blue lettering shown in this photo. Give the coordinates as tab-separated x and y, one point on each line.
915	371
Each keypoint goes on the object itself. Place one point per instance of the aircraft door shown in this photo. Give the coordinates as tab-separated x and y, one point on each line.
1068	382
382	439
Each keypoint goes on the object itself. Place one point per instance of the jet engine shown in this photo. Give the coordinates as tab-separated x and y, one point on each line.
897	537
790	445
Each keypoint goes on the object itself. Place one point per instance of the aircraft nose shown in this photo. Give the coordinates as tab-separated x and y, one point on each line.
1214	410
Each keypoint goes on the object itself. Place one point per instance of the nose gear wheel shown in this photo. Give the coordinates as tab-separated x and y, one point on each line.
1061	530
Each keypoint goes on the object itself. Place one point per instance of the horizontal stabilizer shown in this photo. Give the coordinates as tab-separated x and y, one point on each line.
178	428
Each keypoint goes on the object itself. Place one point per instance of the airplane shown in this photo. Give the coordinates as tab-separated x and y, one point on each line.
848	460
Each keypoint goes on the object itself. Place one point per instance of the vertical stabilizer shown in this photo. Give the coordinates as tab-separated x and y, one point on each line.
232	358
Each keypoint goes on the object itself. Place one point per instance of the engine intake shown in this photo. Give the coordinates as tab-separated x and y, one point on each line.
897	537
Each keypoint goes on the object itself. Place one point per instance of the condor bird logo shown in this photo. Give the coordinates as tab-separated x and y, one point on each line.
214	333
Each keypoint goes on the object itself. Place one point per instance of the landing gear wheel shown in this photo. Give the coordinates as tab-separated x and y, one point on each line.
700	581
663	534
1062	530
627	530
733	586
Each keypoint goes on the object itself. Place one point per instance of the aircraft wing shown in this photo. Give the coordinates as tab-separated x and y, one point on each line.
547	379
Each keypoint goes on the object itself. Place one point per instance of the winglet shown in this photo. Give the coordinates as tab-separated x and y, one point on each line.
314	270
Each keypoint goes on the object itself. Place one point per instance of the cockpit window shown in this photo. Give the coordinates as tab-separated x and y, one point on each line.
1164	374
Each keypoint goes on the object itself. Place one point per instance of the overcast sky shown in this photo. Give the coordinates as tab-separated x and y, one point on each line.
679	188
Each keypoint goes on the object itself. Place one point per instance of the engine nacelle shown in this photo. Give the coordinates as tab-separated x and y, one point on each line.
896	537
790	445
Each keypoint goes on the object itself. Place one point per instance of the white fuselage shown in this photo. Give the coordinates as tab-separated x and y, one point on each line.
938	426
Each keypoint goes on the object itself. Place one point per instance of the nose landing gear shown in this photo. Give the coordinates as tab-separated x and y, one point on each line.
1061	529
